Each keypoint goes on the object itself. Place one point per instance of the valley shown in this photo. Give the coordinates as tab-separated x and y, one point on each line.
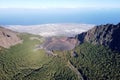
61	57
59	39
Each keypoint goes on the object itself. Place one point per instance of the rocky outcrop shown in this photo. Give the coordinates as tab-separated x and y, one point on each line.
107	35
8	38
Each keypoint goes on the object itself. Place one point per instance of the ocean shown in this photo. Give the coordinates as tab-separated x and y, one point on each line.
47	16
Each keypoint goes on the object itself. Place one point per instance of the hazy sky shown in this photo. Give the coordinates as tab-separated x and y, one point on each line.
59	4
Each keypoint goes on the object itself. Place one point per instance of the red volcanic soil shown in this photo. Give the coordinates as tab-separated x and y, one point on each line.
64	43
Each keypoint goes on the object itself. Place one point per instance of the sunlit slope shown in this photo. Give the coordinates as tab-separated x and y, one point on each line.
25	62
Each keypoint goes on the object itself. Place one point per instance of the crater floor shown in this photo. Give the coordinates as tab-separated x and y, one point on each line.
64	43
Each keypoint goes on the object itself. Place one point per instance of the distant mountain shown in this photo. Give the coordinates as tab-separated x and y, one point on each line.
107	35
8	38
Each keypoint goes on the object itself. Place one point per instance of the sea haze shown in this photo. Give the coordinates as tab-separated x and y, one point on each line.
48	30
47	16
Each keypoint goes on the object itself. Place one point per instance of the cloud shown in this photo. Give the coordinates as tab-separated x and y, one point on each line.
48	30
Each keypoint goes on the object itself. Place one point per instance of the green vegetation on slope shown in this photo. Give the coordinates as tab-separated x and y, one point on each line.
96	62
24	62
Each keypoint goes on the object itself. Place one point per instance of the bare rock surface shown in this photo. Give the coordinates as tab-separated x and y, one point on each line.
107	35
8	38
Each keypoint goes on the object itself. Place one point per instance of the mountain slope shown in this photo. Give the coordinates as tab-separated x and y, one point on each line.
107	35
8	38
96	62
24	62
87	61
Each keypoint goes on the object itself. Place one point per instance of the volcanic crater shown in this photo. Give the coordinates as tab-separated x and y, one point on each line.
62	43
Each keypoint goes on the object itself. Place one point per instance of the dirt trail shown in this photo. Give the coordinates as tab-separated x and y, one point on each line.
50	53
75	70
